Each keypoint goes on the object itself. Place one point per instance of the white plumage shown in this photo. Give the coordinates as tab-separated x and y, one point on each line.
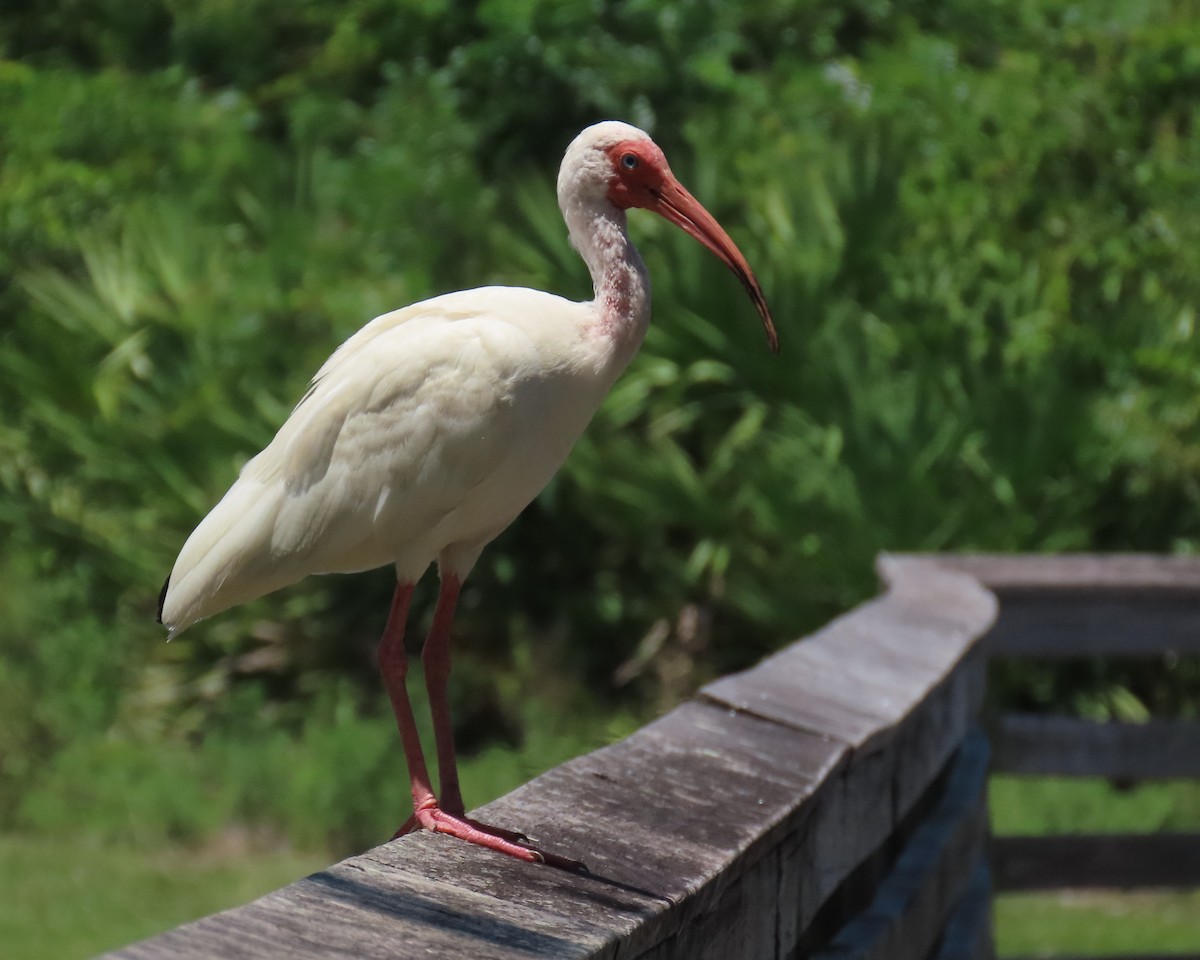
429	430
425	434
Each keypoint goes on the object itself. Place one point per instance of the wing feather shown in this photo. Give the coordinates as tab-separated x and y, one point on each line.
399	425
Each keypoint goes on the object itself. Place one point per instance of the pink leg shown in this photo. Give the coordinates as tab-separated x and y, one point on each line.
393	664
436	659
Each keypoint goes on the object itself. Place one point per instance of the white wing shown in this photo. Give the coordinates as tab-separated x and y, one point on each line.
431	427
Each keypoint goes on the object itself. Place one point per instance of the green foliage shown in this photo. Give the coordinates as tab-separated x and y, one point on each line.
976	224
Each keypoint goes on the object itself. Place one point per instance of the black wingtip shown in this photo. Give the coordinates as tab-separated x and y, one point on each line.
162	598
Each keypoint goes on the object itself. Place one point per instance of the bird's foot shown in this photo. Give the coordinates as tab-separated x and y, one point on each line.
509	842
512	836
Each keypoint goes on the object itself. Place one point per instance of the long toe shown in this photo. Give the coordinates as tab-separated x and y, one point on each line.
512	836
502	841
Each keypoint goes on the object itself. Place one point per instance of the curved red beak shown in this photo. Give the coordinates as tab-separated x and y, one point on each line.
672	201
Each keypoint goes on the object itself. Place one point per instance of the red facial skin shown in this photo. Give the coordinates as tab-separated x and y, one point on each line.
642	178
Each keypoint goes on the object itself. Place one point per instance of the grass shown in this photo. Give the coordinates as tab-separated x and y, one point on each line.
1096	923
1046	805
68	897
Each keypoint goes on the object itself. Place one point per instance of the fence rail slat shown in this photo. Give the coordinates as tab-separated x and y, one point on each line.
1116	861
1067	746
1087	605
1053	626
1090	573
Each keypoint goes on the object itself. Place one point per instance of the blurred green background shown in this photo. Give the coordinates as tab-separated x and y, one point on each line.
978	224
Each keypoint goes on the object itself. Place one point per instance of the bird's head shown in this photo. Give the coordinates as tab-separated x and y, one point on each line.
632	171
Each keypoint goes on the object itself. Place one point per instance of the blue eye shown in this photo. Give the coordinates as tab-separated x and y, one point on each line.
629	161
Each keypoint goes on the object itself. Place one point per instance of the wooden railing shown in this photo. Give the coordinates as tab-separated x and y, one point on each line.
827	803
1121	606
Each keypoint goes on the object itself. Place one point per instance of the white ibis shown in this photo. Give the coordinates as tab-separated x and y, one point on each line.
432	427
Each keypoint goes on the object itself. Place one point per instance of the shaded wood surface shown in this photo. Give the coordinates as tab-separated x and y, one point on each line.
912	903
968	934
1116	861
716	833
1066	746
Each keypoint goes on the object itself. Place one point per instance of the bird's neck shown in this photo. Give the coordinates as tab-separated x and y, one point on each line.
619	277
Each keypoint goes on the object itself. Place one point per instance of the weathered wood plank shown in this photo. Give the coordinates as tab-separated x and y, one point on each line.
933	731
1116	861
725	790
739	925
1007	573
665	819
352	910
850	817
968	933
1067	746
859	677
907	916
663	847
766	912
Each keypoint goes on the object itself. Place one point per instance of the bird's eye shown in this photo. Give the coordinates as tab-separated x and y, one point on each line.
629	161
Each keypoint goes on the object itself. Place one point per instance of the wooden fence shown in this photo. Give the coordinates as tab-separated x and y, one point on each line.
828	803
1121	606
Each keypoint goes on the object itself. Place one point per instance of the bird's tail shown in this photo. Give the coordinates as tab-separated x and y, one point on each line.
162	598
